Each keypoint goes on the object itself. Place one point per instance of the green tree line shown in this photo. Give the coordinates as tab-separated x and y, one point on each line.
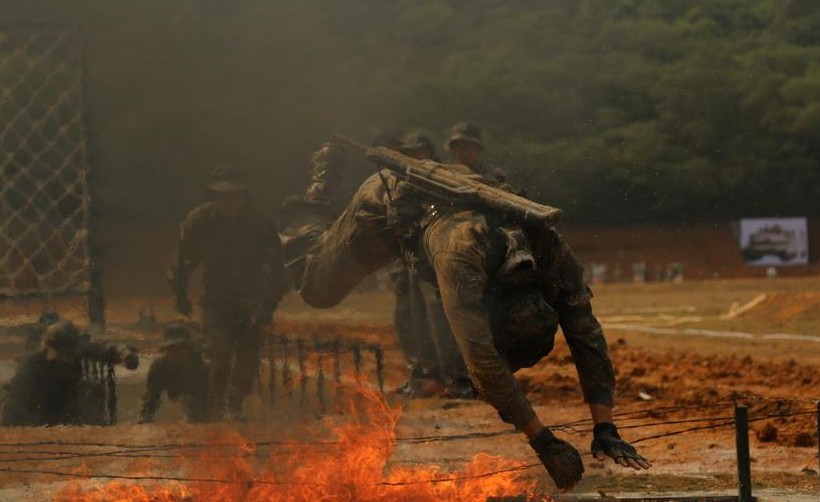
615	110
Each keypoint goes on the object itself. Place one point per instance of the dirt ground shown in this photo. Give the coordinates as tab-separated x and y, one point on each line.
683	353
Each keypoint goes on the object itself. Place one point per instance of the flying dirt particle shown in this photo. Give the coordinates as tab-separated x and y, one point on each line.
767	434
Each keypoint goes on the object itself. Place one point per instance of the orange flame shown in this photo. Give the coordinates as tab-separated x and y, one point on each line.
350	468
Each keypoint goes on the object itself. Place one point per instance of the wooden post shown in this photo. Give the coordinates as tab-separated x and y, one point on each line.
744	469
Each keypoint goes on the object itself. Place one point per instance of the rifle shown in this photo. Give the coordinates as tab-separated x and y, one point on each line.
448	182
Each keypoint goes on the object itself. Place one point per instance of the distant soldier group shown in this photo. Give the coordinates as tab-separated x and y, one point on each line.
479	295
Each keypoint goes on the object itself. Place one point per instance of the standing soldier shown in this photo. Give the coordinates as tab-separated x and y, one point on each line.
180	372
241	259
436	365
465	148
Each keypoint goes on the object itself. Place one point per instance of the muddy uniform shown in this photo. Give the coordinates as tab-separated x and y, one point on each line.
43	392
463	253
243	283
182	379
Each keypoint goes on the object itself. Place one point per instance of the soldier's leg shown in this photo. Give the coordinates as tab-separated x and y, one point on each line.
453	369
218	328
356	245
403	316
246	365
426	350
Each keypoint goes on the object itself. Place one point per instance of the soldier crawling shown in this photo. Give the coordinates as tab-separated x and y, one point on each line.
505	288
47	387
240	253
181	373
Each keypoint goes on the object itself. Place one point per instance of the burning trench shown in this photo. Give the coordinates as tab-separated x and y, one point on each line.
343	457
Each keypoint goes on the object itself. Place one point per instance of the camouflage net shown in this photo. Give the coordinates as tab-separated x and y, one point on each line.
44	167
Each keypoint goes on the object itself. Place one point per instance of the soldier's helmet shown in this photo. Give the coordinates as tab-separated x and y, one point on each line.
524	327
464	131
415	140
64	337
226	178
176	333
389	138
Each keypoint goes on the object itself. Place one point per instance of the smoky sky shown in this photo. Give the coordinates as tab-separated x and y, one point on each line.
176	87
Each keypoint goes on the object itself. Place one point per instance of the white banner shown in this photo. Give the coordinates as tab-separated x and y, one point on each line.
774	241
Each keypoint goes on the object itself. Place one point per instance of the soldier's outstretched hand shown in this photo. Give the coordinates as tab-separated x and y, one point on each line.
608	443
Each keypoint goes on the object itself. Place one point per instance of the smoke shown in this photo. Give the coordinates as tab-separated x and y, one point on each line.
177	87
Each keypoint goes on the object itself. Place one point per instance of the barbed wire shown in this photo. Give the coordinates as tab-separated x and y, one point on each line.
723	422
568	427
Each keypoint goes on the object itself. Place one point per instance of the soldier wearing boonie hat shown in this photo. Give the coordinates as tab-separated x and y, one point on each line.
243	278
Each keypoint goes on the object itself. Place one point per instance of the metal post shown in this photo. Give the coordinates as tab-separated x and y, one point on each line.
272	369
320	376
357	362
287	378
818	434
96	297
337	368
300	354
744	470
377	351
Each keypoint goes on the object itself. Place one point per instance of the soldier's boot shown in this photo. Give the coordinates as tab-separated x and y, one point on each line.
303	219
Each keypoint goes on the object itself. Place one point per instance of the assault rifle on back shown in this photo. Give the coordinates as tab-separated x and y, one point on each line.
453	183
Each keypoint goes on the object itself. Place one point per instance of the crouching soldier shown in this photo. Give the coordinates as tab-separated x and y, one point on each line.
47	388
181	373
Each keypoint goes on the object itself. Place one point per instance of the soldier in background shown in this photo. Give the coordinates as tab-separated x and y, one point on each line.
436	366
243	281
465	148
47	387
181	373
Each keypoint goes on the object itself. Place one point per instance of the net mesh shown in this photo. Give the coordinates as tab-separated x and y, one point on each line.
44	195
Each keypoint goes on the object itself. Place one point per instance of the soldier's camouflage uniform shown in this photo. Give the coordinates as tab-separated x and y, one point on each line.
464	252
183	379
243	283
43	392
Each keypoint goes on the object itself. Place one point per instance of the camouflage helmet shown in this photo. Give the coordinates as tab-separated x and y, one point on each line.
464	131
389	138
524	327
226	178
415	140
63	336
175	333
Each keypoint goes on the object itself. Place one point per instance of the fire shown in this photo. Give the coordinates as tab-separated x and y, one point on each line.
351	467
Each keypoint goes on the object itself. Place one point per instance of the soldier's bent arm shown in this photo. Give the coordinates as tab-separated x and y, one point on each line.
583	333
274	268
188	252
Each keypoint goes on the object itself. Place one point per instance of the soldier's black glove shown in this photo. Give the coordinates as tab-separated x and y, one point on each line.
608	443
183	305
559	457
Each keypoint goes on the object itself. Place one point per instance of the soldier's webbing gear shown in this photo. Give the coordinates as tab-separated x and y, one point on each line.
452	184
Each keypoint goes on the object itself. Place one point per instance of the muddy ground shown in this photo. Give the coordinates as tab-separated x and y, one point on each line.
683	352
